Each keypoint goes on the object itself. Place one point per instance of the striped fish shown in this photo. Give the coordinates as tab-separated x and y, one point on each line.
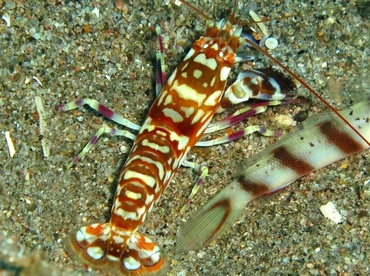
322	140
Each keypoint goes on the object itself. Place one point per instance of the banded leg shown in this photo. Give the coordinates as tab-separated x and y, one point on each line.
102	109
239	134
240	115
94	139
160	64
237	117
110	114
106	112
203	170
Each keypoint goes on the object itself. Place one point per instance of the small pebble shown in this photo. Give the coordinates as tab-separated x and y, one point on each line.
271	43
329	211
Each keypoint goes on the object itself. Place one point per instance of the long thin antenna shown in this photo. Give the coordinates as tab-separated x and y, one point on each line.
206	17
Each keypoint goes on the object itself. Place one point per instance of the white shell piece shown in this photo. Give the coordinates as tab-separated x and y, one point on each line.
6	18
95	11
45	143
271	43
329	211
10	143
285	120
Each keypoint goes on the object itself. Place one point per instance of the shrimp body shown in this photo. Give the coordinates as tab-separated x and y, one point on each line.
174	123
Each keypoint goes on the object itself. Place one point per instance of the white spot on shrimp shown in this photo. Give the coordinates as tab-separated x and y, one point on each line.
132	195
168	100
211	63
187	110
198	116
189	54
224	73
181	139
148	180
172	77
197	73
213	99
215	46
213	81
187	93
173	115
95	252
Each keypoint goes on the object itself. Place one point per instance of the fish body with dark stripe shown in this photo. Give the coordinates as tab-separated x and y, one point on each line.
324	139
